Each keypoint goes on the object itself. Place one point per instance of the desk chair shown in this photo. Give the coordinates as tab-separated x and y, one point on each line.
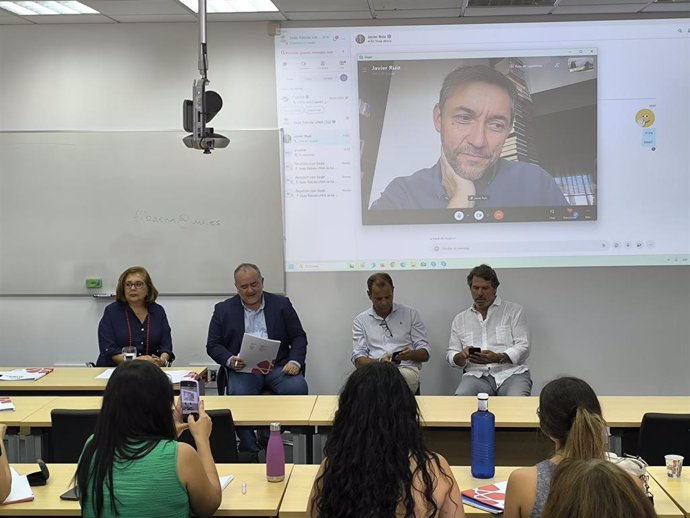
69	431
223	445
661	434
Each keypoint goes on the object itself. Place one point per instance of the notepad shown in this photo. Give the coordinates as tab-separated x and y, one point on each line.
225	481
490	498
6	404
30	374
21	491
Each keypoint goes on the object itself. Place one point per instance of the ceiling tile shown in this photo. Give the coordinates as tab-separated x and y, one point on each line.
331	15
131	7
325	6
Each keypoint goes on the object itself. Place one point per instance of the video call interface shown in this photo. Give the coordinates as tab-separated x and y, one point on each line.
589	165
556	97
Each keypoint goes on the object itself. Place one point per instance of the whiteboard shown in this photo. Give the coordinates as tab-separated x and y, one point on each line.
80	205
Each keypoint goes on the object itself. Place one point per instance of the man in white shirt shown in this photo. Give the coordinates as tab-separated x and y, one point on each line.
389	332
490	341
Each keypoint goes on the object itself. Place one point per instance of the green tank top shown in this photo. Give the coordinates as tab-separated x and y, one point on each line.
148	487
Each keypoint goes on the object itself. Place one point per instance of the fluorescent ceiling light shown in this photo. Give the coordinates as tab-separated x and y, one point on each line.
47	7
232	6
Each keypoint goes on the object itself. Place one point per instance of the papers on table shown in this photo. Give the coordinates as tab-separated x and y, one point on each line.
30	374
259	354
6	404
175	375
21	491
489	498
225	481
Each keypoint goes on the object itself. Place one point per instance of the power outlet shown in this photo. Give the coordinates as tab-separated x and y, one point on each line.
212	374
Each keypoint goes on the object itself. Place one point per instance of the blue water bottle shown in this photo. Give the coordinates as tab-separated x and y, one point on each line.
483	439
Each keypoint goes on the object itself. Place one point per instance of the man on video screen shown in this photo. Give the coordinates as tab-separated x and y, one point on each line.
474	116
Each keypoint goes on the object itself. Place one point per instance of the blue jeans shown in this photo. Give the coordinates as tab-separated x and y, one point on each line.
246	384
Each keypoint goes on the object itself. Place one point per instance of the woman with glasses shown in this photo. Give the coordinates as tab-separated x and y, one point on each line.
135	320
570	415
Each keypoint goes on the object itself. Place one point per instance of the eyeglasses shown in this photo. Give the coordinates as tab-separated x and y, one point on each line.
386	329
134	285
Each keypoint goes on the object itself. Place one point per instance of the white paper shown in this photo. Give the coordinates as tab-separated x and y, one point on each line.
21	490
258	353
175	375
6	403
24	374
225	481
105	375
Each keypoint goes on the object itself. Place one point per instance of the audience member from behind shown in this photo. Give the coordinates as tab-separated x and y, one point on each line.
376	463
134	319
570	415
5	475
134	450
588	488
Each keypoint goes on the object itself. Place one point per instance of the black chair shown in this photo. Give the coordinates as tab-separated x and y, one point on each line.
661	434
68	433
223	445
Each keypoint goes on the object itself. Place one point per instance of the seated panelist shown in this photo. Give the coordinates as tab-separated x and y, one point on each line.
135	319
265	315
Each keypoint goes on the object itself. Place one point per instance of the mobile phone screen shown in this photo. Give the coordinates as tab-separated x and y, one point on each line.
189	395
475	350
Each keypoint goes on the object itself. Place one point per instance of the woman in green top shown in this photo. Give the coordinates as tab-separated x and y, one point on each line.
133	466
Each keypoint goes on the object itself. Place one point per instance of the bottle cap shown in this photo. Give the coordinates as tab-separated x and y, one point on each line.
482	396
275	427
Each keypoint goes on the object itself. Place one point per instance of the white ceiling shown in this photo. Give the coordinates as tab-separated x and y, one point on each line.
133	11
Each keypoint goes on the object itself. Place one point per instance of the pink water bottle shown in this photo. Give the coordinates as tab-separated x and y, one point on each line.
275	455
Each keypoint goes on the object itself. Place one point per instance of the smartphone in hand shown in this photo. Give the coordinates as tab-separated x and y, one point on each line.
189	396
475	350
395	357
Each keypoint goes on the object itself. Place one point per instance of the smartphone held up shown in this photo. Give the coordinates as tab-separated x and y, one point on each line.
189	396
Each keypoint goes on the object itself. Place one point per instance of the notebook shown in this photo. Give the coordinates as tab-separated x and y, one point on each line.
490	498
6	403
32	374
21	491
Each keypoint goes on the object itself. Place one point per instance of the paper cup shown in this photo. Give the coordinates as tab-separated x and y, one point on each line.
674	465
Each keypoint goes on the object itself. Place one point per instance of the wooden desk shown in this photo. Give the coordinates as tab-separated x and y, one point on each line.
676	488
67	380
246	410
447	421
517	412
262	498
296	497
24	406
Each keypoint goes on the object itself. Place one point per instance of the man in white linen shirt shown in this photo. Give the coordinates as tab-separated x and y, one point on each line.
389	332
498	330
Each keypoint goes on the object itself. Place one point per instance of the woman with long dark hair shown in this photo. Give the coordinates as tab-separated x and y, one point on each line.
570	415
133	464
376	463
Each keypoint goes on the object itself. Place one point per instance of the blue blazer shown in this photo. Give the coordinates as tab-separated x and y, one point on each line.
226	329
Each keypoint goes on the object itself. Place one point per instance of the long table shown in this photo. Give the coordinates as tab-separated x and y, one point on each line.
517	412
261	499
296	496
676	488
70	381
446	418
447	422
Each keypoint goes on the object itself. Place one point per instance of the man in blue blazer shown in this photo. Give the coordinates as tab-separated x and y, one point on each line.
265	315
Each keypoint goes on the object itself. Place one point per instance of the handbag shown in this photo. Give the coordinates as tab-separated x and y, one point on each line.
634	466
